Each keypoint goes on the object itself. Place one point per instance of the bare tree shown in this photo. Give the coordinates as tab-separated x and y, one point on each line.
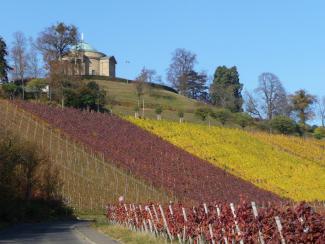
33	62
321	109
19	58
273	95
252	106
182	63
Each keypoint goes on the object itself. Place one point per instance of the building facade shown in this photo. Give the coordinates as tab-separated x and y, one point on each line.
92	62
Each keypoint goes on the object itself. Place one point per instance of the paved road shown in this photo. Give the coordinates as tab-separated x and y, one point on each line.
57	232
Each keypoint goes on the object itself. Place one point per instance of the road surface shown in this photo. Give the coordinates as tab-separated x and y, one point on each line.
55	232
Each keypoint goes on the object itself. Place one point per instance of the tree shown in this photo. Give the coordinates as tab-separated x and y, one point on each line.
33	63
243	119
196	85
222	115
55	41
302	102
273	95
321	109
159	111
252	106
283	124
4	67
37	85
180	114
319	133
10	90
19	58
182	63
225	90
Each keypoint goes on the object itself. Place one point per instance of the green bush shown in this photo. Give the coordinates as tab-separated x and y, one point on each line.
243	119
222	115
283	124
319	133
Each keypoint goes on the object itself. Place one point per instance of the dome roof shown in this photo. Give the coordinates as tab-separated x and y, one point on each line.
83	46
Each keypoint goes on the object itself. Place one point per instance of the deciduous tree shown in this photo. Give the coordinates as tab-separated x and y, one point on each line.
182	63
19	58
302	102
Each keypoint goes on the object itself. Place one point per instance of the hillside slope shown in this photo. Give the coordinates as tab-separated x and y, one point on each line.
150	158
125	100
290	167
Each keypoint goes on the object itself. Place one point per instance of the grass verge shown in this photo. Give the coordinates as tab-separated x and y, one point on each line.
121	233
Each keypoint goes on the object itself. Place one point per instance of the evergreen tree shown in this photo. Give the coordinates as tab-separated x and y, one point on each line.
4	67
225	90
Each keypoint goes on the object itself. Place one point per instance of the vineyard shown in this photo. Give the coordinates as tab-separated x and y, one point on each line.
290	167
223	223
149	158
88	181
102	157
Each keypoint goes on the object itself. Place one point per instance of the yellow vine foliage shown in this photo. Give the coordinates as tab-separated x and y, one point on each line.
287	166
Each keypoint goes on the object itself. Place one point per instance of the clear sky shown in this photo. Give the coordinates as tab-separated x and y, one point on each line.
285	37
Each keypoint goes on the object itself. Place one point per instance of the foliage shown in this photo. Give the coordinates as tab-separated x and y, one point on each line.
243	119
301	102
203	113
10	90
287	166
148	157
4	67
180	114
319	133
55	41
225	90
222	115
219	223
159	110
37	85
283	124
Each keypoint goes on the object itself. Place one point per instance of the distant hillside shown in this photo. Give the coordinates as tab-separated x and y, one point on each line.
125	100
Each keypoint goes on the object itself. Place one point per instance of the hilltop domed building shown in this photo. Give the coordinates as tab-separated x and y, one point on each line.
92	61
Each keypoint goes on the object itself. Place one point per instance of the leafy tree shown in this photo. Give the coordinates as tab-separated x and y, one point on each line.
55	41
283	124
301	102
10	90
222	115
182	64
203	113
225	90
180	114
4	67
159	111
319	133
37	85
243	119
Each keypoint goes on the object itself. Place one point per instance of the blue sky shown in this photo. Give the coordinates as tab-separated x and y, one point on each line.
285	37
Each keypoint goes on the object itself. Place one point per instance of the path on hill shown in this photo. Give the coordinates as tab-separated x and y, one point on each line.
73	232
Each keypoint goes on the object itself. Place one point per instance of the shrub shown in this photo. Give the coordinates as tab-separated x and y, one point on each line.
222	115
283	124
319	133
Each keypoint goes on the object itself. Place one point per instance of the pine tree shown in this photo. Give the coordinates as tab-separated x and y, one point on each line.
4	67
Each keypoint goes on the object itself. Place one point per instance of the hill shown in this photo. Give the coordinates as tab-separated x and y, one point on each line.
125	100
149	158
288	166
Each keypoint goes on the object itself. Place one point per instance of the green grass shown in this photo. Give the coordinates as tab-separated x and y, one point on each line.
121	233
125	98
